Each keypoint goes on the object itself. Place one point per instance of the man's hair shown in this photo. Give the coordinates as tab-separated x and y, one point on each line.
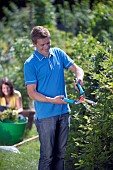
7	82
39	32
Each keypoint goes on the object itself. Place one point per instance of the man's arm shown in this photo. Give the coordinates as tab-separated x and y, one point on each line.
79	74
33	94
78	71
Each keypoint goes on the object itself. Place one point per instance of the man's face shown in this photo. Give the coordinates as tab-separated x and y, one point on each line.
43	46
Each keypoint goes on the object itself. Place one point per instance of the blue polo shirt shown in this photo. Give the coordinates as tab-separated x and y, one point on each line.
48	75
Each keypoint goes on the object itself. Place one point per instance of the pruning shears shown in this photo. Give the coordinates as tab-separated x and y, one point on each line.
82	99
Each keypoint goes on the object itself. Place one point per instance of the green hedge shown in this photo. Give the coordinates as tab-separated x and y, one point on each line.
90	141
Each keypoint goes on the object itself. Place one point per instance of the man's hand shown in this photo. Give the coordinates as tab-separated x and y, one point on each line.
57	100
76	82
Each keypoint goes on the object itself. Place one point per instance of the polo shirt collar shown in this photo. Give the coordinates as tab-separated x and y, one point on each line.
40	56
51	52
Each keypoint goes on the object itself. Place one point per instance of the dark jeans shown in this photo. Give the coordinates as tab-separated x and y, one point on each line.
53	136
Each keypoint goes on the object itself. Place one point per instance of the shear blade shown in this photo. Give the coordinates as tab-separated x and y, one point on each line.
86	106
90	101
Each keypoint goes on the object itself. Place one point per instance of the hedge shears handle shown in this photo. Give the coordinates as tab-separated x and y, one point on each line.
71	101
81	99
81	91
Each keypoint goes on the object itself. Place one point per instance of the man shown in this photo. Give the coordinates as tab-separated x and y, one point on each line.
44	77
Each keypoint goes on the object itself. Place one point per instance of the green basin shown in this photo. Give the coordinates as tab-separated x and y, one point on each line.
11	132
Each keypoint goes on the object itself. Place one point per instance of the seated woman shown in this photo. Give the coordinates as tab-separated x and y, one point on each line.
9	97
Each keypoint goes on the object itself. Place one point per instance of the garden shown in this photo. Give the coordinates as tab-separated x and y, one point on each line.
85	32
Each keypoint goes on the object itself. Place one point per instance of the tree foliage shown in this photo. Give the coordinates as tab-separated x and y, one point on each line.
81	18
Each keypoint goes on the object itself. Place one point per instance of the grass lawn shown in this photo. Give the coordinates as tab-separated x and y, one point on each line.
28	157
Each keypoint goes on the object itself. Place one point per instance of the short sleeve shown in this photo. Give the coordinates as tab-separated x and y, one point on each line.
67	61
29	73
